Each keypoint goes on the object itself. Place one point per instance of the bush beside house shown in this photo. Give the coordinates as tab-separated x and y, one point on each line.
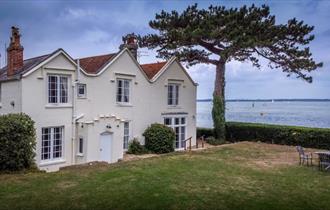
159	138
17	142
276	134
134	147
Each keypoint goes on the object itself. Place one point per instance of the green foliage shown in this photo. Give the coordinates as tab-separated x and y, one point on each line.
206	132
136	148
213	141
17	142
159	138
278	134
218	115
244	34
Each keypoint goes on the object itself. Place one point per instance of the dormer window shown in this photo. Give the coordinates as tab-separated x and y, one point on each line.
82	91
173	94
123	90
57	89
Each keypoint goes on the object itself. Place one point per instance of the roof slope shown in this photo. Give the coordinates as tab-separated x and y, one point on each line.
94	64
151	69
27	65
90	65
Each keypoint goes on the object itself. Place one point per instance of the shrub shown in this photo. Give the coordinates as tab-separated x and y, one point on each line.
279	134
159	138
136	148
17	142
218	115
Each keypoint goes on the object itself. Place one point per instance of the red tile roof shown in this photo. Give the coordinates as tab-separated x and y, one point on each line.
151	69
93	64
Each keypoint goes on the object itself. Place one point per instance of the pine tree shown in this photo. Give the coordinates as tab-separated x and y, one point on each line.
217	35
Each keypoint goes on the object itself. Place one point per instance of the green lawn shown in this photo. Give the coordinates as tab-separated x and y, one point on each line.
238	176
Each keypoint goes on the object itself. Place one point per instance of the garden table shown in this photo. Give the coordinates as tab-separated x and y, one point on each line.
324	159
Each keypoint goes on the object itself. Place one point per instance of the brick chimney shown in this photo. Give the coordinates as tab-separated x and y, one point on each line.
131	43
14	53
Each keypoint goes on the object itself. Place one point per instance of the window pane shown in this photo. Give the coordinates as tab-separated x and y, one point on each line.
176	95
183	133
126	95
57	142
63	90
81	145
81	90
177	137
167	121
52	89
183	120
119	90
45	146
126	135
177	121
170	95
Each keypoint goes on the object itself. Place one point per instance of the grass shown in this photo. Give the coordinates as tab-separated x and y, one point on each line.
237	176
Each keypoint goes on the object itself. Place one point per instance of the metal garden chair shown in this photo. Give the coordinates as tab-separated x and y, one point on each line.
303	157
324	160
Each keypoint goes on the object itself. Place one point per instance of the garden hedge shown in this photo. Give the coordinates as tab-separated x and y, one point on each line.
276	134
17	142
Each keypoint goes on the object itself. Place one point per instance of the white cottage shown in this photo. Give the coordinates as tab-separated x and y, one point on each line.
88	109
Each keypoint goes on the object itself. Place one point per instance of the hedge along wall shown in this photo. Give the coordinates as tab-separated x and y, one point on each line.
17	142
276	134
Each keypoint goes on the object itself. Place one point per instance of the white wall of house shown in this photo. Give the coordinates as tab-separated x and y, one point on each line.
35	104
10	97
99	112
187	97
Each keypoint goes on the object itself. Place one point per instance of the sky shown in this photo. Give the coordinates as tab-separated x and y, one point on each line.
87	28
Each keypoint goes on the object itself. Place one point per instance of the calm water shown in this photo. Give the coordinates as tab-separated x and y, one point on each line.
309	114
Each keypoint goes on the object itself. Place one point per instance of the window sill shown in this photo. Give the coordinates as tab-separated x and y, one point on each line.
80	155
51	162
173	107
124	104
58	106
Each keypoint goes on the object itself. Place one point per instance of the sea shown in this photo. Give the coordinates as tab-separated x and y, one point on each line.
308	113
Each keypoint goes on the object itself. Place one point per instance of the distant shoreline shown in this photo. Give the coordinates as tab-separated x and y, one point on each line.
269	100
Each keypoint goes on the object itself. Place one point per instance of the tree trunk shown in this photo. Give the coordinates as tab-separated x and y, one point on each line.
218	111
219	85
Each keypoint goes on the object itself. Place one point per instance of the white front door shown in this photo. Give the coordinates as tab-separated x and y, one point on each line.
105	147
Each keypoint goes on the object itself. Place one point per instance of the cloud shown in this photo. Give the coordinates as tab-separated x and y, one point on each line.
77	13
87	28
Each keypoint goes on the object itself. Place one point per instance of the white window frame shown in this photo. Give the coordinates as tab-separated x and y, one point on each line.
81	144
126	136
58	96
84	95
175	93
51	140
121	99
180	126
